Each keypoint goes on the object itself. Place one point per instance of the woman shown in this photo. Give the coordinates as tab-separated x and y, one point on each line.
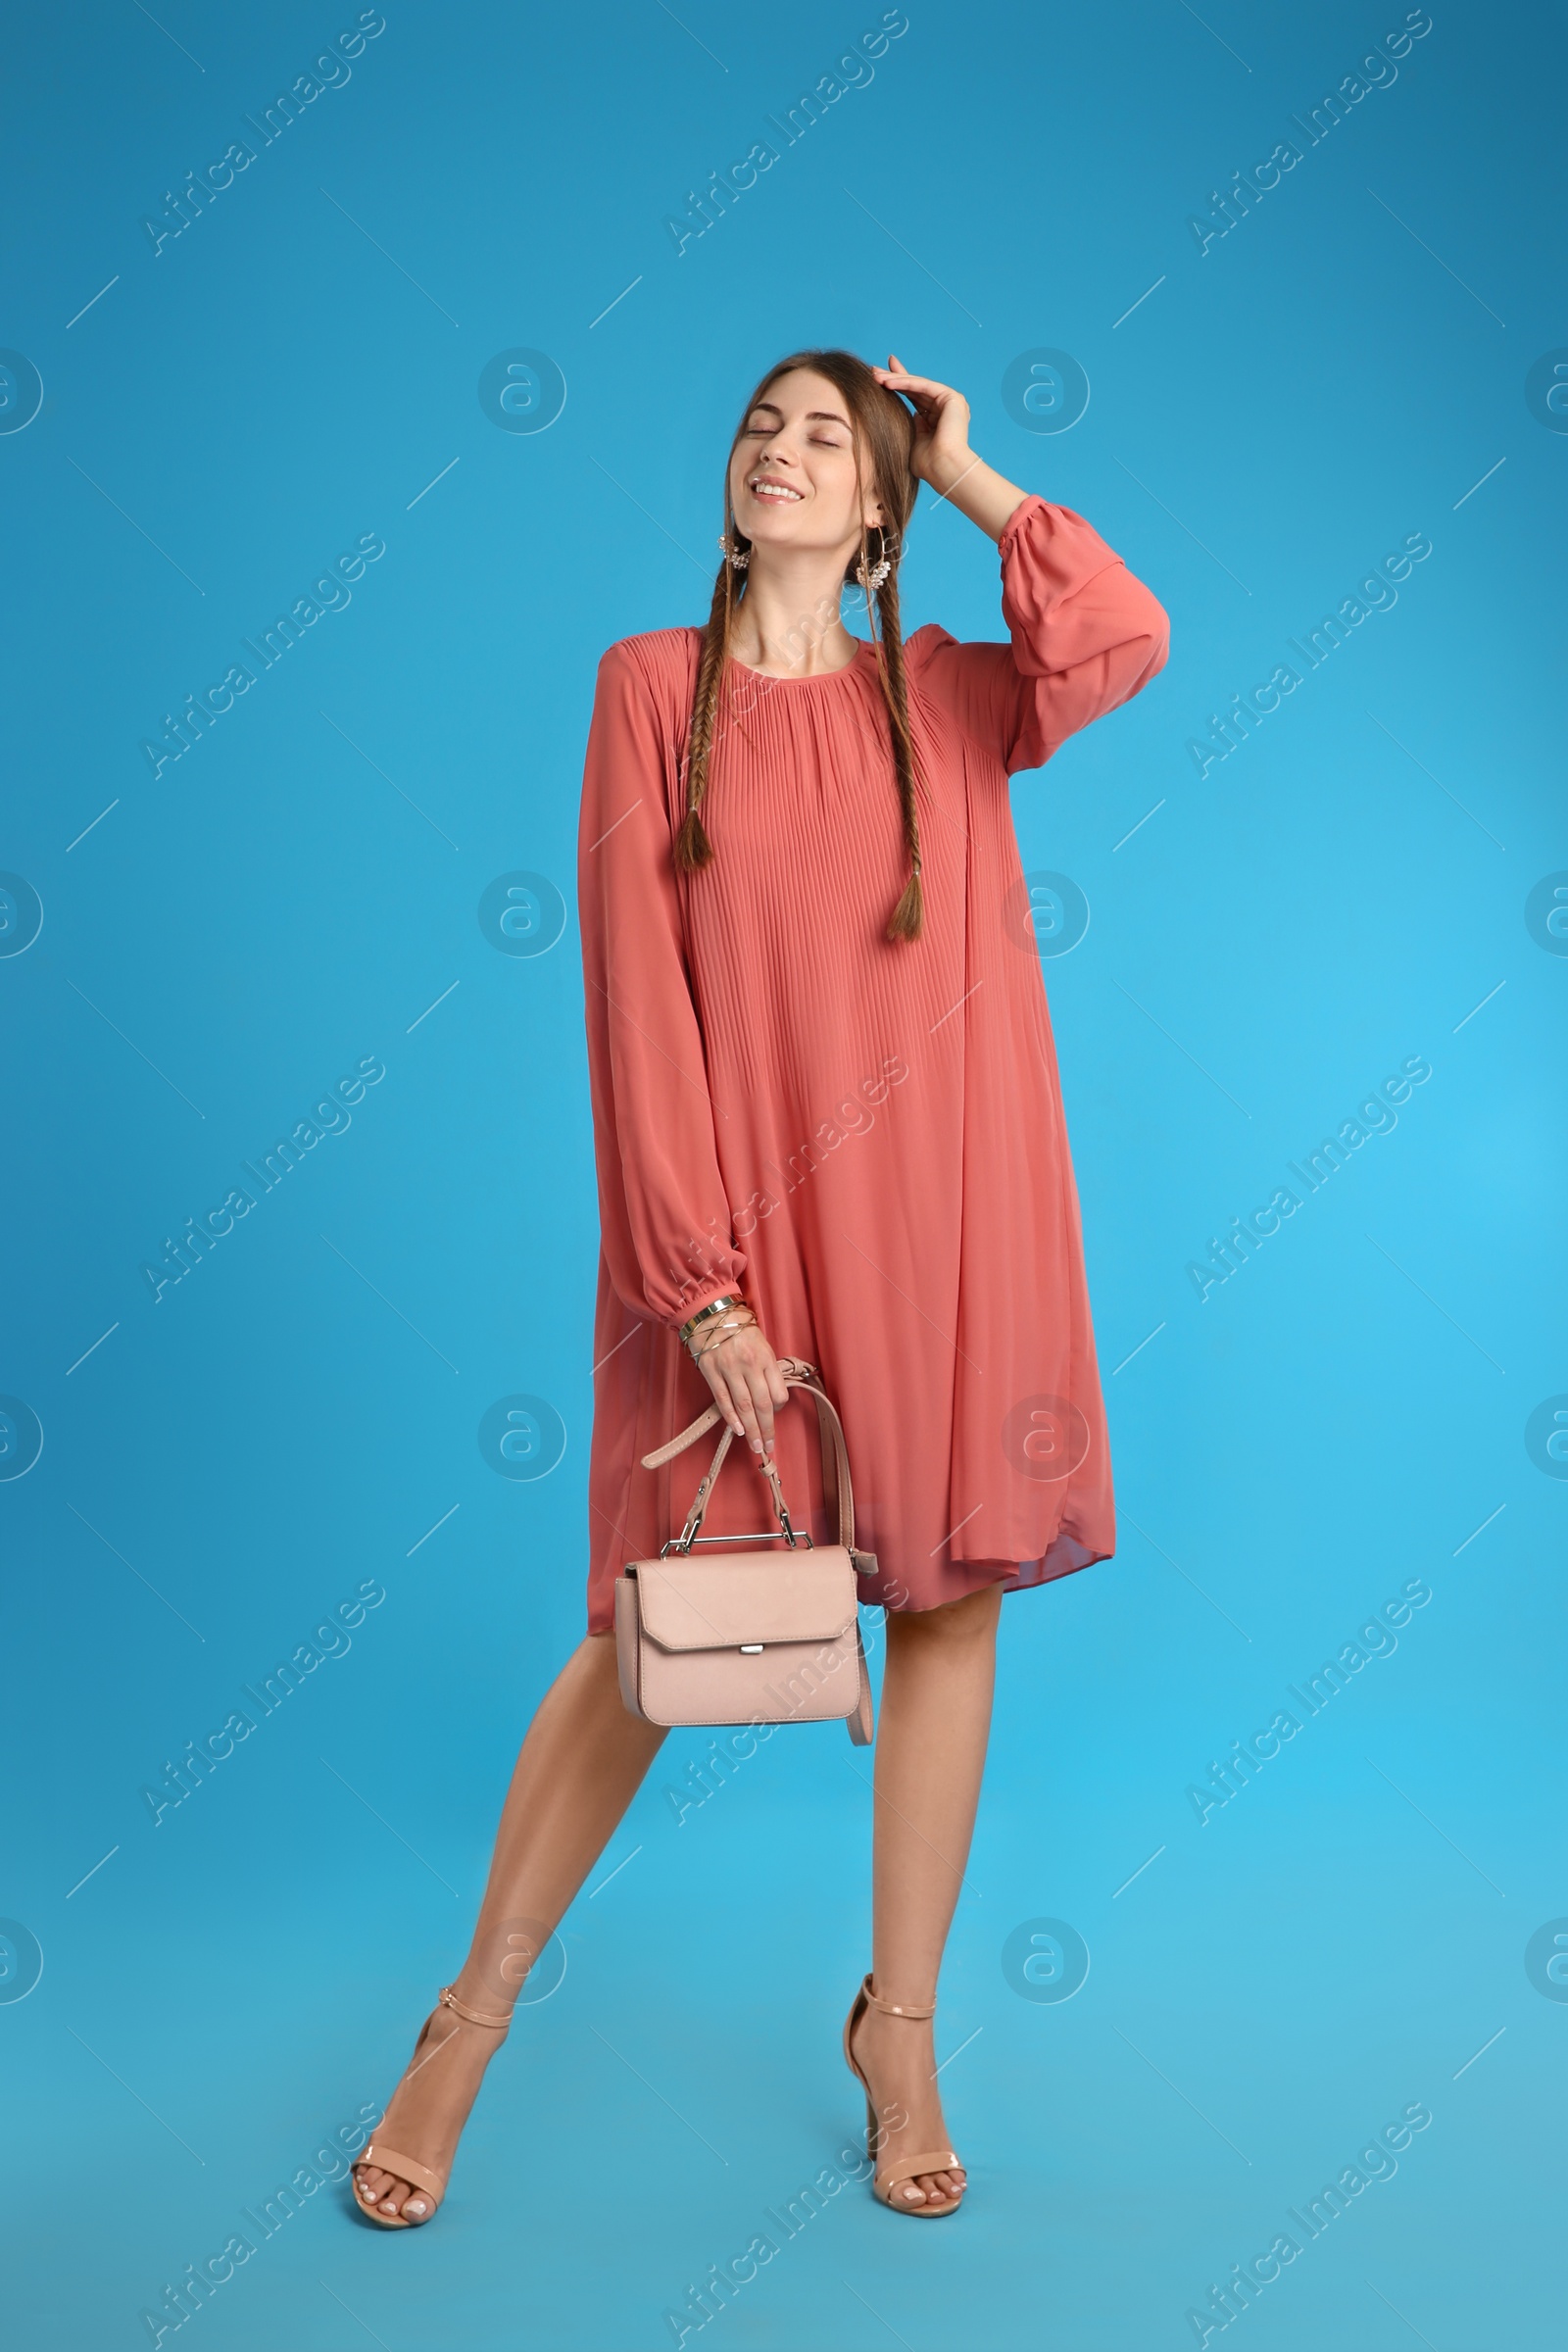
827	1121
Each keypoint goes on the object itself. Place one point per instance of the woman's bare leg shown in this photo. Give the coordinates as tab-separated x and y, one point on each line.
581	1765
930	1754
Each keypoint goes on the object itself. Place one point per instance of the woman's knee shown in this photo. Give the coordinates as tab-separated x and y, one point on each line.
971	1618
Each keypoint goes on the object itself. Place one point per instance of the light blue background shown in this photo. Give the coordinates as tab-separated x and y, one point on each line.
293	894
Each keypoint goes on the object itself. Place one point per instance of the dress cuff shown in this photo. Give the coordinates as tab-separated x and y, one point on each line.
703	1297
1015	521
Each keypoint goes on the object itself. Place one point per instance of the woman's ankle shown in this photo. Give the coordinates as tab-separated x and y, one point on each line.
502	1957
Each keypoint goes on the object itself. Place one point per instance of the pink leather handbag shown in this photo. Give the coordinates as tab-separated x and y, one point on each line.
749	1637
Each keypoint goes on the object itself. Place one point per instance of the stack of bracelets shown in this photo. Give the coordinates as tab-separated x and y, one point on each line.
714	1324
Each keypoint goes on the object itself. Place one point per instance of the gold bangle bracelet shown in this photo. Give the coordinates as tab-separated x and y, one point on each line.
714	1307
725	1331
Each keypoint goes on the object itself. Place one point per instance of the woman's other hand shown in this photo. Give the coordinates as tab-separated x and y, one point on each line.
941	449
941	456
748	1386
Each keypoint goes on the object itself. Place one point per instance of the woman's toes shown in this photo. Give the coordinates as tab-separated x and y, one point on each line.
371	2182
942	2189
912	2193
417	2208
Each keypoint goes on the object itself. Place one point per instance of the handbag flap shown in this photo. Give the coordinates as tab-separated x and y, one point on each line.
730	1598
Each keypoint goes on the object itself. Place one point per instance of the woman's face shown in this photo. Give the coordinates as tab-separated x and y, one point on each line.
792	481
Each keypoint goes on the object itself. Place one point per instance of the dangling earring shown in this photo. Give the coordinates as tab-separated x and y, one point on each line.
872	576
735	556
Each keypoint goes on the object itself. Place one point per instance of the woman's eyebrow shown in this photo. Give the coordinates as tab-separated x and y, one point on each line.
814	416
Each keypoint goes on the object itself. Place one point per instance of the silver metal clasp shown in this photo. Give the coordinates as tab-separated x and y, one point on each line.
765	1535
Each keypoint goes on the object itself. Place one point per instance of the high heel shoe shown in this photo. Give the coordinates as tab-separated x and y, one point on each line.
934	2160
408	2168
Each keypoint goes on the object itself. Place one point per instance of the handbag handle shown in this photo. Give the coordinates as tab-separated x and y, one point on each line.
835	1485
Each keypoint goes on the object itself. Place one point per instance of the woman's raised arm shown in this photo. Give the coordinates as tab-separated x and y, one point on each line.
1085	634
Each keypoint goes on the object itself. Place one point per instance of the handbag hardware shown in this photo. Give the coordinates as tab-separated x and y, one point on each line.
768	1535
695	1516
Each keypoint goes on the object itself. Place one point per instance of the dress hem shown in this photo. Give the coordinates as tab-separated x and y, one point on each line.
1015	1575
1065	1558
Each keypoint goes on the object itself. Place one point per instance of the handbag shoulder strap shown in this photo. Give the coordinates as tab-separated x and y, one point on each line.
836	1486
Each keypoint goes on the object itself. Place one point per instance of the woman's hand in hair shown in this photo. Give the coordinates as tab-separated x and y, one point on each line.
941	449
748	1386
941	455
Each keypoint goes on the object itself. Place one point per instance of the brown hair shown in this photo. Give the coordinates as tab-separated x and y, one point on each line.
883	434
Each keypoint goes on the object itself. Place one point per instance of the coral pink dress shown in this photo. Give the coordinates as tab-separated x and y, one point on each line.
864	1134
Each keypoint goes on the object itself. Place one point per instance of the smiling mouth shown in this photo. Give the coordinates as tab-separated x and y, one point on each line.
771	491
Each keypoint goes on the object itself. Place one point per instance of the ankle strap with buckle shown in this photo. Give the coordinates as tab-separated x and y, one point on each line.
476	2017
899	2009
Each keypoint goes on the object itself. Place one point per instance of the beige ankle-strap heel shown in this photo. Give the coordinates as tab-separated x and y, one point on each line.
934	2160
408	2168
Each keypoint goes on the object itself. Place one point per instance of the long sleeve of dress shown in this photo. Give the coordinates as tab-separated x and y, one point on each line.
1085	636
663	1215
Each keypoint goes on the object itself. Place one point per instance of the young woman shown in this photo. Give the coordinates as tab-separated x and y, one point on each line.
828	1123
